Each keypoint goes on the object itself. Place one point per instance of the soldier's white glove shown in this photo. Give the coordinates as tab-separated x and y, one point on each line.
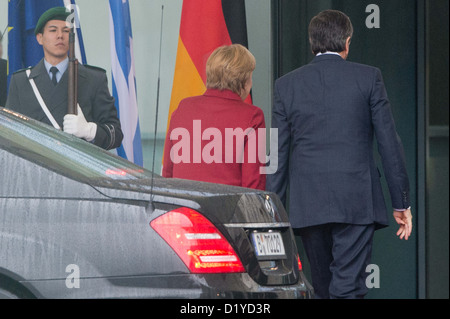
78	126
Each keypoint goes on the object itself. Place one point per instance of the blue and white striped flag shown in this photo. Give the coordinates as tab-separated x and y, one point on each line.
124	81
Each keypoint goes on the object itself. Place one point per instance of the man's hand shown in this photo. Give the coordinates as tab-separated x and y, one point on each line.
78	126
404	219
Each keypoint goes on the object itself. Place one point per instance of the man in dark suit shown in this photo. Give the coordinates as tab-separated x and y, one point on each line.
3	75
327	114
97	120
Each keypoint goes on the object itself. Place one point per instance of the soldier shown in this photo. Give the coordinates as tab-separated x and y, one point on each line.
97	120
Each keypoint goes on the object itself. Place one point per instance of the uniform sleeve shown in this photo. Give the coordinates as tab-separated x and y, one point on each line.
3	81
13	102
254	150
109	132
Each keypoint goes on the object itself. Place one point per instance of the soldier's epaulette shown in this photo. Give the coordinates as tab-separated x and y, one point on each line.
94	67
23	70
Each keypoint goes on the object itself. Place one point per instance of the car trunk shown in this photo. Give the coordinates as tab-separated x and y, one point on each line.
254	222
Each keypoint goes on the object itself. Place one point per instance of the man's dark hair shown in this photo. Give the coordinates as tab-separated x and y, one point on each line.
329	30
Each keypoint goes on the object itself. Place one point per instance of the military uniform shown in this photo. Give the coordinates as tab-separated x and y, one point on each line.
94	99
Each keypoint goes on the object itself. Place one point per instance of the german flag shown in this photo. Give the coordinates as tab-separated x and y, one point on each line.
205	26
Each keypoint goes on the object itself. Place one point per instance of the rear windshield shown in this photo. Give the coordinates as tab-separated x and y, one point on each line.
61	152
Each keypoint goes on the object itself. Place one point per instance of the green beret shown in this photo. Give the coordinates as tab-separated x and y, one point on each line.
56	13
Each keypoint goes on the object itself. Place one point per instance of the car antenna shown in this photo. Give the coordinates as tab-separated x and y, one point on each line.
157	105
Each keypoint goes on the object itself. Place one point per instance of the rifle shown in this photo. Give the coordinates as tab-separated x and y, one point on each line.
72	90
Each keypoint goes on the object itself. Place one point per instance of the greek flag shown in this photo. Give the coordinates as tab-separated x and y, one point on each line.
123	80
23	49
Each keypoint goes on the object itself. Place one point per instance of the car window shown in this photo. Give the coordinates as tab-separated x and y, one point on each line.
61	152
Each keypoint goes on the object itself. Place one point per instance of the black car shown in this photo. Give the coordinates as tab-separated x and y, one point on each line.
79	222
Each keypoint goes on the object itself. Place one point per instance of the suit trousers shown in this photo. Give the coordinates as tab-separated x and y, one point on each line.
338	255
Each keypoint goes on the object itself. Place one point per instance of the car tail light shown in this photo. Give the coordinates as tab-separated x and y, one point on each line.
300	267
198	243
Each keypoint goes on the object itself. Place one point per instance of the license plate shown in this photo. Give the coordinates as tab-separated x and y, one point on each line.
268	245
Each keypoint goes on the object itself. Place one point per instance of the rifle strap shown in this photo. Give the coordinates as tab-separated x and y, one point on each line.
41	102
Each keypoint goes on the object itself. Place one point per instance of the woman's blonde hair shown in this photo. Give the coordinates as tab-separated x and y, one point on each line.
229	67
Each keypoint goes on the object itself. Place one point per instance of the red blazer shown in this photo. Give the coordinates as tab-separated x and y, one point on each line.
200	144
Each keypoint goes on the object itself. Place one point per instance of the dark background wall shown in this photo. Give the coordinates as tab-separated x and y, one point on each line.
437	162
409	48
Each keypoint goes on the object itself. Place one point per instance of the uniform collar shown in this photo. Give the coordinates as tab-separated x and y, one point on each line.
40	68
62	66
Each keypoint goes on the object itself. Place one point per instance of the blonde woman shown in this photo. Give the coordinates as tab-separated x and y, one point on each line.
214	137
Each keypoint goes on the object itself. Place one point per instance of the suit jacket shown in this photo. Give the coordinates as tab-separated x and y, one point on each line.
215	112
3	81
327	114
94	99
